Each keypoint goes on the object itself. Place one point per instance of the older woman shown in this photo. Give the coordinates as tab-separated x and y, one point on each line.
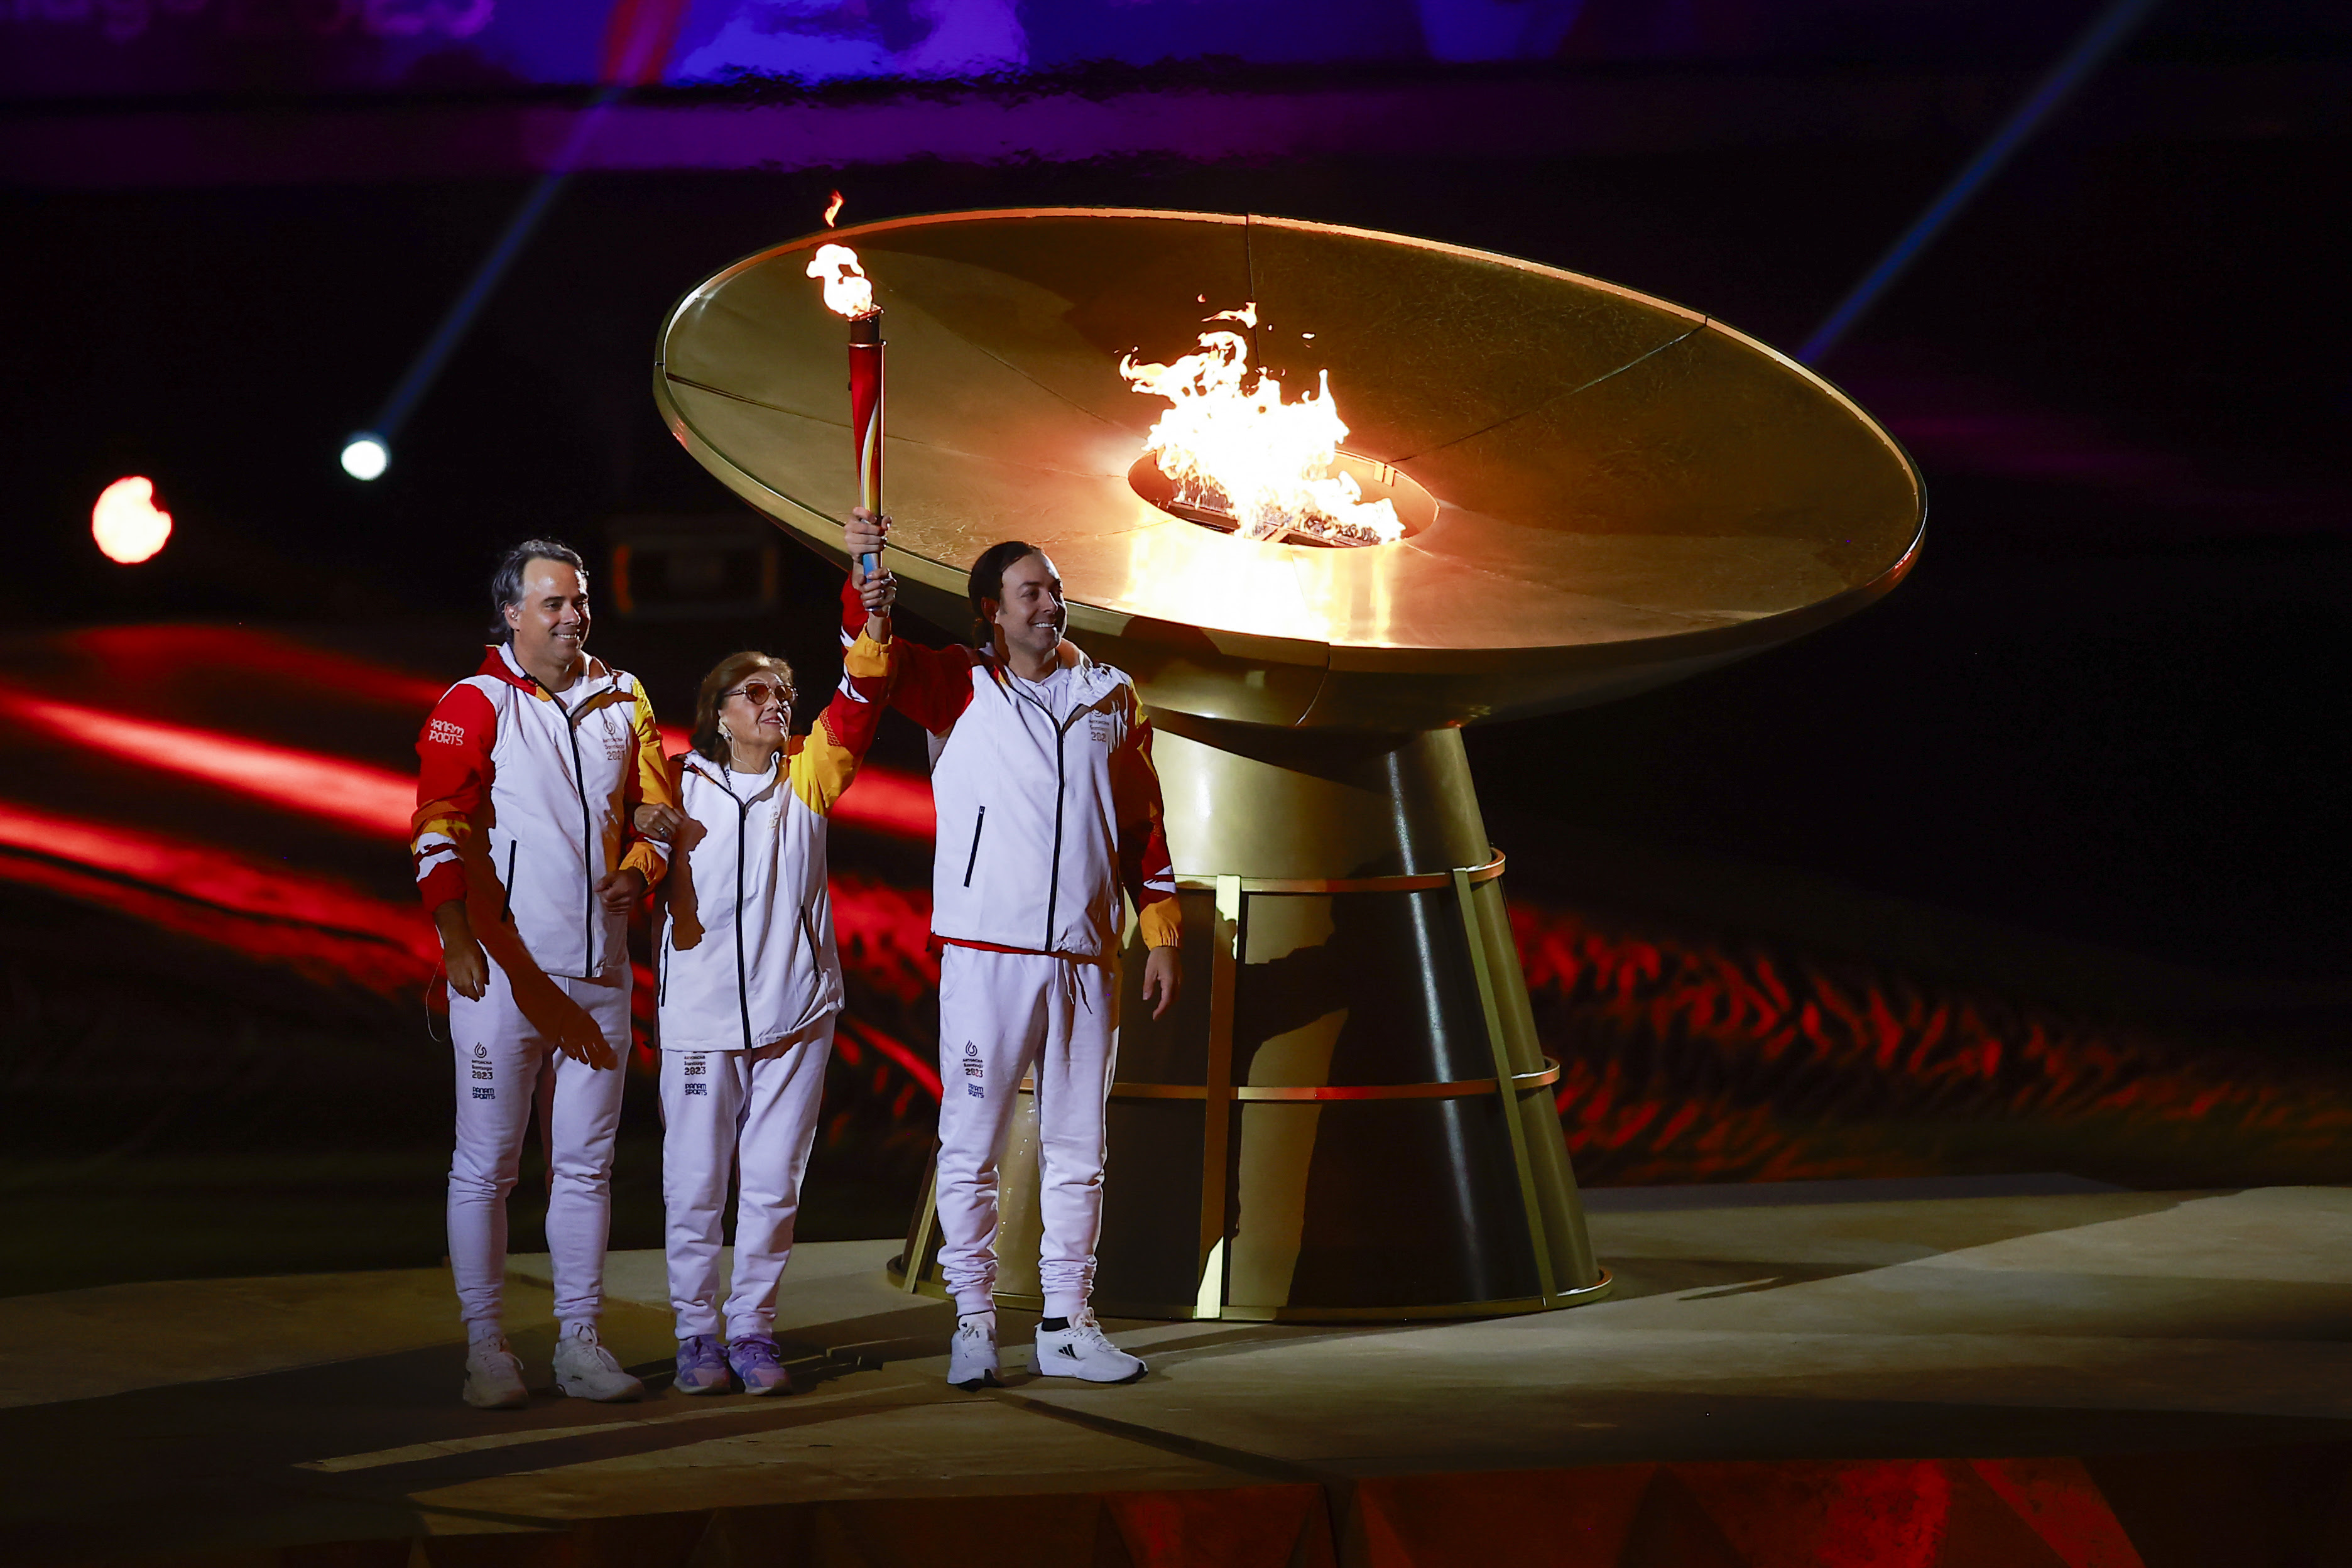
750	984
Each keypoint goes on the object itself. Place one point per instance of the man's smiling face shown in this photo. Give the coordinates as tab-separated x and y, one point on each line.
1030	615
550	621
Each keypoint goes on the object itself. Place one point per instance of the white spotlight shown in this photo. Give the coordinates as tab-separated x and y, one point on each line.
366	456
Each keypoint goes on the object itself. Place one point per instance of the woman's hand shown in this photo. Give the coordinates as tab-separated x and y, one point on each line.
879	592
659	823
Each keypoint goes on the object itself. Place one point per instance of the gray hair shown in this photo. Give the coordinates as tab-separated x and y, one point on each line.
505	583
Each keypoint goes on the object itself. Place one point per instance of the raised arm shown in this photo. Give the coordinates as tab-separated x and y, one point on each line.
932	686
827	759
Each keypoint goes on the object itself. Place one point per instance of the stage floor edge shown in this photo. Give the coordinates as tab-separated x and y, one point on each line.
1943	1376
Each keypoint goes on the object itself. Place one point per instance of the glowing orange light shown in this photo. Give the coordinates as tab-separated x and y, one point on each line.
846	291
1233	446
834	211
127	523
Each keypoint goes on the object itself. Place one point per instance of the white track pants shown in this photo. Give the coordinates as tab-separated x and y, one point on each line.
506	1064
1002	1014
748	1112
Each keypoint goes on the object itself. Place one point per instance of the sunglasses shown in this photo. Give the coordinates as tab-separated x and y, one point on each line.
759	693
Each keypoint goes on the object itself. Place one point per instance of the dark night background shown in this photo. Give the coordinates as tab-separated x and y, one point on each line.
2076	775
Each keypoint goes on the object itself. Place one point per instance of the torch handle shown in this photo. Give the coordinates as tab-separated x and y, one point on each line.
865	419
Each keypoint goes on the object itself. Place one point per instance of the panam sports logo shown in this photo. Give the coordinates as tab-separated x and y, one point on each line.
446	732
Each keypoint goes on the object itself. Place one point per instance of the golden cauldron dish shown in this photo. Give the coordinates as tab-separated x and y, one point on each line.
1627	492
1349	1113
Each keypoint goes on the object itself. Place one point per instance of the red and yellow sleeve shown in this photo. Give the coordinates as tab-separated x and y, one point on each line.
1144	864
649	782
453	783
826	761
932	686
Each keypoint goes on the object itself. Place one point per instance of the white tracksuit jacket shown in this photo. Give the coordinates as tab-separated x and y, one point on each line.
1043	819
525	802
747	949
747	944
1041	816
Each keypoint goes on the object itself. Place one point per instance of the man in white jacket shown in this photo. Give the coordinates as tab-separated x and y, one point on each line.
1048	806
525	855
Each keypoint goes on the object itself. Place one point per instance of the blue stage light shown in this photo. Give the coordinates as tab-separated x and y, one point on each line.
2113	25
459	319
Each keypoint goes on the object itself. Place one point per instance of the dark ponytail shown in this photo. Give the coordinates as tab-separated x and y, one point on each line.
988	583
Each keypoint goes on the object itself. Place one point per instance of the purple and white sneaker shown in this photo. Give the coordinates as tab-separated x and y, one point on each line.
756	1362
702	1366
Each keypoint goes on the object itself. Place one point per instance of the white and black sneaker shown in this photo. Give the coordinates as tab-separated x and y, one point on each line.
971	1358
1079	1350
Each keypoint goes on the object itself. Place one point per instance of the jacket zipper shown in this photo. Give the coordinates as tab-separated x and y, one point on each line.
587	831
1054	873
506	911
974	858
742	972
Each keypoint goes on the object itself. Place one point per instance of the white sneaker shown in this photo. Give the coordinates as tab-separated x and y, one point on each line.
494	1376
1081	1352
971	1358
584	1369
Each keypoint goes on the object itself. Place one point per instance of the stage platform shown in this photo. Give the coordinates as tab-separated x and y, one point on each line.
2013	1373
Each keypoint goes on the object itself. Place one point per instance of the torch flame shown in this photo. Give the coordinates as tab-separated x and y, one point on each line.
846	291
1232	445
833	211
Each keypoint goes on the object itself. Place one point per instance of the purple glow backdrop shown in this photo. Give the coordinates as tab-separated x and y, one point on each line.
85	48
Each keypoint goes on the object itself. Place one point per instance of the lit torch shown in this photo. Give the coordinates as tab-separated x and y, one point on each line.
848	293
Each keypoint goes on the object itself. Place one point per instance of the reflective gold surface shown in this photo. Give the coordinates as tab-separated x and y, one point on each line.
1627	492
1346	1114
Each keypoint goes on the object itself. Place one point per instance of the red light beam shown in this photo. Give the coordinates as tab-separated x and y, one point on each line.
370	800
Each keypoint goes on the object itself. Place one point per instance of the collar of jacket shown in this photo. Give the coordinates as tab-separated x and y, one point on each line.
720	773
499	663
1072	658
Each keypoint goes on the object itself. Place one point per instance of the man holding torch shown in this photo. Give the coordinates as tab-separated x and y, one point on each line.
1047	803
1048	808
